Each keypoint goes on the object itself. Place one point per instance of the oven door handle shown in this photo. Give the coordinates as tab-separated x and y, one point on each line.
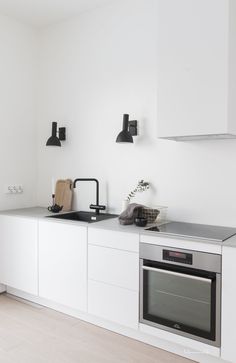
179	274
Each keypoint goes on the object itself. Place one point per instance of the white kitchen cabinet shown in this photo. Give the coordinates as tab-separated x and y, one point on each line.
228	346
19	253
196	68
114	239
116	267
113	276
113	303
63	264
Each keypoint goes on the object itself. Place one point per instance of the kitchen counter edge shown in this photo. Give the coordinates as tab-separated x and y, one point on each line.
40	213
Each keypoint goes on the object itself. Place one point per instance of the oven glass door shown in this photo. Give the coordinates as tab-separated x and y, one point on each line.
180	298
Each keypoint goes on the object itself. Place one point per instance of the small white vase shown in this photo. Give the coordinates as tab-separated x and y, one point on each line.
125	204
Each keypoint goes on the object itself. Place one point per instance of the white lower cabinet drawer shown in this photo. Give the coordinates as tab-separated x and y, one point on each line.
120	240
113	303
115	267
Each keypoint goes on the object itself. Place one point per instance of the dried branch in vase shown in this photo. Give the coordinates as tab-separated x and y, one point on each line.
142	186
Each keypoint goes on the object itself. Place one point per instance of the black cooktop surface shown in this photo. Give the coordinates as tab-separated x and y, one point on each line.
192	230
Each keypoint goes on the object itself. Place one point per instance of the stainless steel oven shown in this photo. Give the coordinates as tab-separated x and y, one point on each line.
180	291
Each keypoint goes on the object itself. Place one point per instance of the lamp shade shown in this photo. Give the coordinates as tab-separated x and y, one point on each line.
125	135
53	140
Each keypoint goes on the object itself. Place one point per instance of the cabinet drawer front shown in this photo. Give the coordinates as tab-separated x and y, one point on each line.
119	268
119	240
113	303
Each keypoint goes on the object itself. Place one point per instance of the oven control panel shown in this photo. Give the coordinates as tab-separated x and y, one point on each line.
177	256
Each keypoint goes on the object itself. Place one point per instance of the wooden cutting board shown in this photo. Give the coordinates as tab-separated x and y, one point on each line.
64	194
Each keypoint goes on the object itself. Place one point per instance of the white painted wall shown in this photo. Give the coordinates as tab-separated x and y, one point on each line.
17	112
93	69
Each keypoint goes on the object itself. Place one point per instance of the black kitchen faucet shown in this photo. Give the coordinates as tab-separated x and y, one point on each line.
96	206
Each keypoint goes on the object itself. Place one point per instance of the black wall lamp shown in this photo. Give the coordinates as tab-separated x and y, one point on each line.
129	130
54	140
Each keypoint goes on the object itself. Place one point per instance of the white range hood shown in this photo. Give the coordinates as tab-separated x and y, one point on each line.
196	69
200	137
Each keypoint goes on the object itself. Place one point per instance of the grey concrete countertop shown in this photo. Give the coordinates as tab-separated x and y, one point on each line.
231	242
110	224
113	224
40	213
34	212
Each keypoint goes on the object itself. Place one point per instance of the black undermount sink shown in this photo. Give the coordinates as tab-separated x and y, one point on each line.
82	216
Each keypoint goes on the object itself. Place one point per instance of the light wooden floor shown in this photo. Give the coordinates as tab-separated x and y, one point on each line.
34	334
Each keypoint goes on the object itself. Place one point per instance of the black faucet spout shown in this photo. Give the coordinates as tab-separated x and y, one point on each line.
97	207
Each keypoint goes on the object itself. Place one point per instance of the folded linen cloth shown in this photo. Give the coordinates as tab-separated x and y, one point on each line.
132	211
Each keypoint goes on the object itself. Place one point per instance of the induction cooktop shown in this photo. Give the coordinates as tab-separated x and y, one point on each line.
192	230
